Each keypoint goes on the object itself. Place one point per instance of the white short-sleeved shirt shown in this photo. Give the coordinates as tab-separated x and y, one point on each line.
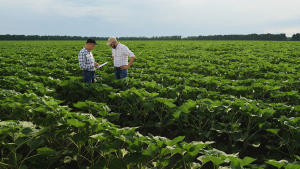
120	54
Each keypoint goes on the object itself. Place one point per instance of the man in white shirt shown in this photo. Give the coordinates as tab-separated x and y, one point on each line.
120	55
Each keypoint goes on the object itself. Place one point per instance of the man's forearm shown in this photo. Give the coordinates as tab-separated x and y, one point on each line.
131	61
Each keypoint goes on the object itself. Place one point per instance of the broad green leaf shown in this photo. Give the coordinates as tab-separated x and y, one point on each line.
149	105
235	162
293	166
169	104
247	160
51	103
187	106
207	101
20	141
275	131
75	123
26	98
40	109
151	151
127	139
200	96
41	131
266	113
102	136
80	137
235	165
27	131
217	161
15	105
3	130
265	125
80	105
277	164
176	114
191	154
133	157
175	140
184	109
165	151
45	151
204	159
35	143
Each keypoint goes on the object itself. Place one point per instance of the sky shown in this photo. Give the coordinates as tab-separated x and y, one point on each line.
148	18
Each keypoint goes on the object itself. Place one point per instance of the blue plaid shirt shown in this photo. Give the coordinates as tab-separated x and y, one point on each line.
86	60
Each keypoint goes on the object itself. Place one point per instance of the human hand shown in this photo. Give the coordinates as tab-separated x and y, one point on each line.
124	67
96	64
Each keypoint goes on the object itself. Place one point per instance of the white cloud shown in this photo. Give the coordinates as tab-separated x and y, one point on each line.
196	12
155	17
72	9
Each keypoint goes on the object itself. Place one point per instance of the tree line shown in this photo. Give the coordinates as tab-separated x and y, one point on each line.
57	37
266	37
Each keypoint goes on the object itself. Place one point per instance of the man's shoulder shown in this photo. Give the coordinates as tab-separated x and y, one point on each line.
122	46
83	50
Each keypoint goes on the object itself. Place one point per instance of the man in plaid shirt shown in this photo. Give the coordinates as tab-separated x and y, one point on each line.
87	62
120	55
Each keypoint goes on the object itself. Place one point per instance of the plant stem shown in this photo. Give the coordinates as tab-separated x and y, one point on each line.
15	158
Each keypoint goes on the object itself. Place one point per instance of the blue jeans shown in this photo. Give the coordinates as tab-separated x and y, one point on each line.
88	76
120	74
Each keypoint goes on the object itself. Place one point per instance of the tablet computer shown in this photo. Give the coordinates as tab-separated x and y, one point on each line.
102	65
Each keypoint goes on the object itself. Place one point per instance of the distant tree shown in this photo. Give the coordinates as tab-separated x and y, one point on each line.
296	37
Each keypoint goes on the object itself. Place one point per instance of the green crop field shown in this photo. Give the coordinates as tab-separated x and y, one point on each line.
190	104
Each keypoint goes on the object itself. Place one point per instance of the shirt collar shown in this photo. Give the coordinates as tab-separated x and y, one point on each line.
86	49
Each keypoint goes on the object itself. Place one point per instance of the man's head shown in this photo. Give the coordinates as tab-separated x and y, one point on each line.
90	44
112	41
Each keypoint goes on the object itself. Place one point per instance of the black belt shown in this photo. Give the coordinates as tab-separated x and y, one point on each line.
117	67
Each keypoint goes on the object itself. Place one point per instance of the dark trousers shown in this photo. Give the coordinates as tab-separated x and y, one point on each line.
88	76
119	73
